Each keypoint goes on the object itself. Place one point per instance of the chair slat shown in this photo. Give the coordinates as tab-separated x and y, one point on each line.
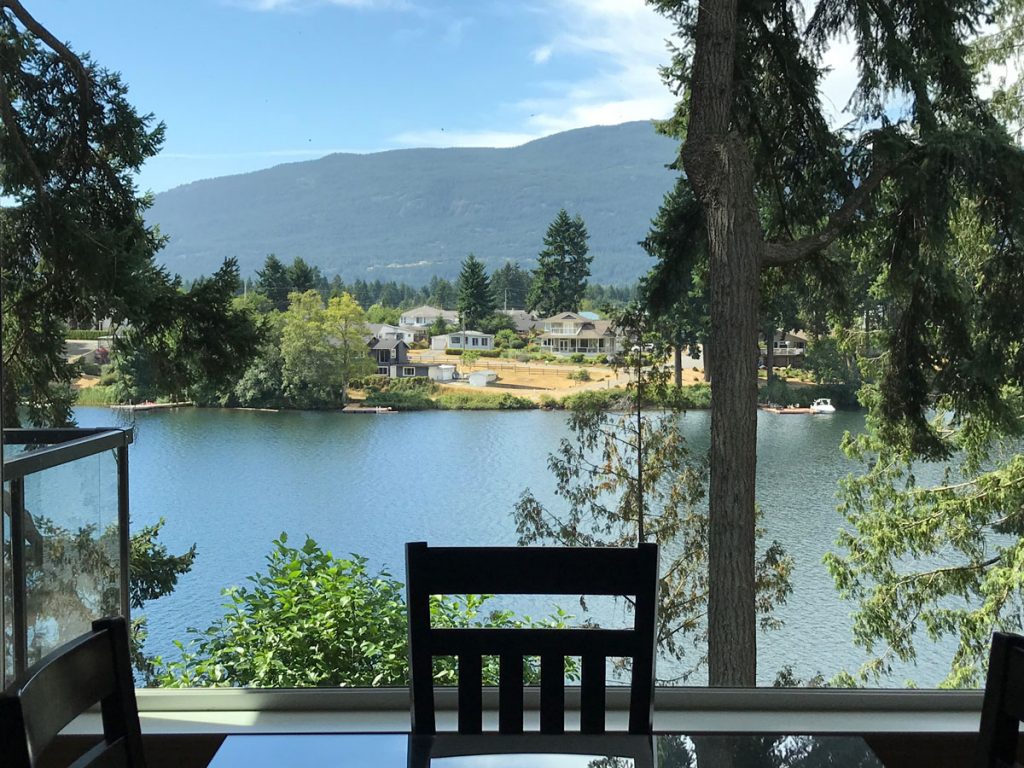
471	705
552	693
592	694
535	642
531	571
510	693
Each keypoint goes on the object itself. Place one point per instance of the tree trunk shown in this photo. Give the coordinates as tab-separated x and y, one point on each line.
769	355
719	167
677	359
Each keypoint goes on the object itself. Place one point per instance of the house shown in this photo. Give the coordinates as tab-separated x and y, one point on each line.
463	340
392	358
524	321
570	333
386	331
425	316
788	349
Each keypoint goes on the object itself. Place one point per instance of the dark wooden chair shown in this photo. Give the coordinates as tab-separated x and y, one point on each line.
531	571
1003	707
94	668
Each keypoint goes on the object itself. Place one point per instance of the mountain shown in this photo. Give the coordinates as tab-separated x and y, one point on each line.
409	214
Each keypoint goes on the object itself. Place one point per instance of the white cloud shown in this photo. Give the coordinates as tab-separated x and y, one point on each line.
626	39
541	55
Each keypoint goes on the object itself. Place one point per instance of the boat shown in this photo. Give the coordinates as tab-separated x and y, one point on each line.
822	405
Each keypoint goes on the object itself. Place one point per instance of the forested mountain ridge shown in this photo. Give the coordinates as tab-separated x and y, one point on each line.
412	213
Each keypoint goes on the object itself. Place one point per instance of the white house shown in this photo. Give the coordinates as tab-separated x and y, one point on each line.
421	317
463	340
569	333
384	331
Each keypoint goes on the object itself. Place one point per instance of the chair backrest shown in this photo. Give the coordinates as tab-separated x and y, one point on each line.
531	571
1003	707
94	668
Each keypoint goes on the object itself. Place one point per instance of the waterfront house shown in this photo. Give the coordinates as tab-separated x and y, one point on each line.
392	358
570	333
788	349
472	340
426	315
387	331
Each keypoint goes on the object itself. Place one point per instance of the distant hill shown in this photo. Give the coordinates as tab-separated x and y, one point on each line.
412	213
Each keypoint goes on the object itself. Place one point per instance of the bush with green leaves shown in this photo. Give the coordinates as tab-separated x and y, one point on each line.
313	619
580	374
399	401
483	401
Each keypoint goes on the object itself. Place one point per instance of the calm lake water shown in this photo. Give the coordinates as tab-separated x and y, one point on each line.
232	481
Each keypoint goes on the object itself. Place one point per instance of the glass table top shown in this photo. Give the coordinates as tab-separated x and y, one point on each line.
535	751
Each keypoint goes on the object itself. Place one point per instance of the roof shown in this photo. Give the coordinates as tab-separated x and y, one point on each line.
462	333
523	320
389	344
564	316
588	329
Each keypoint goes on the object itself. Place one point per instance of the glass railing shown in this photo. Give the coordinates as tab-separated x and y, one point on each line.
65	537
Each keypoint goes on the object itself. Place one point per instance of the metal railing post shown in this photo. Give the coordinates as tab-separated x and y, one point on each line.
124	535
19	579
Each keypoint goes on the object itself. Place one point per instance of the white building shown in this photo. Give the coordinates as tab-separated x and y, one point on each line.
421	317
463	340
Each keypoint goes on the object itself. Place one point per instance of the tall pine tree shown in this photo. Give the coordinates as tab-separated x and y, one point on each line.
475	300
562	267
772	183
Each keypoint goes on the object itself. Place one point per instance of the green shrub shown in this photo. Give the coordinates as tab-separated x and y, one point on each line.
98	395
399	401
549	403
580	375
108	376
313	619
576	357
483	401
85	334
91	369
686	398
605	399
490	353
455	352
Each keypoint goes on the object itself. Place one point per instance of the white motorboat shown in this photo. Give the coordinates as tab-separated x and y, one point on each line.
822	405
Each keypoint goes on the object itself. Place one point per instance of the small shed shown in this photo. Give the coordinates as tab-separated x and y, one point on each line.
442	372
481	378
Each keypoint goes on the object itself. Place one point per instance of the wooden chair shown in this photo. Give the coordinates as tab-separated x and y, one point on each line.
531	571
1003	707
94	668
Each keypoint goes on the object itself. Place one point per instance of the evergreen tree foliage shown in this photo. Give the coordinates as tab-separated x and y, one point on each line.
510	285
72	234
774	184
563	267
475	301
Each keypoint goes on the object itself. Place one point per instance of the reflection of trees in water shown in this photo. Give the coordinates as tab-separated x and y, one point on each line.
73	576
755	751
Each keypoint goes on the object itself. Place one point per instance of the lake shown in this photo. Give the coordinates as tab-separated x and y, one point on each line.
232	481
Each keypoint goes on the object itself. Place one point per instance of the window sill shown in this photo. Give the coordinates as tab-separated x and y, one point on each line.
704	710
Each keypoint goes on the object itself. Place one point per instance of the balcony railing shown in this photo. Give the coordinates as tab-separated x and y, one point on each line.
65	537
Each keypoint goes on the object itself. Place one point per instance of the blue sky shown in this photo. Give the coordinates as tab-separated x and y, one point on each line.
246	84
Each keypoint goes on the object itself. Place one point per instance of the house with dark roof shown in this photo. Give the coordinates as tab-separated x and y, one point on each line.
569	333
392	358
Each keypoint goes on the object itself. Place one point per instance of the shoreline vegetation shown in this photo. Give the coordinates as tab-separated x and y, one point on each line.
422	395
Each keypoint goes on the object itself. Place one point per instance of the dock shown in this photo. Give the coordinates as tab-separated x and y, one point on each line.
370	409
152	406
785	411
